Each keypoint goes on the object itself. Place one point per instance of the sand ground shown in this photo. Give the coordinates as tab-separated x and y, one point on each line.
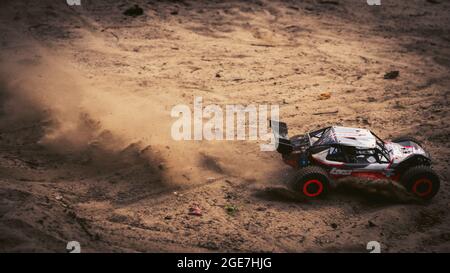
86	94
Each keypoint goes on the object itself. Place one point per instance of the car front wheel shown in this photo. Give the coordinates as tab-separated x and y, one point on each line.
422	181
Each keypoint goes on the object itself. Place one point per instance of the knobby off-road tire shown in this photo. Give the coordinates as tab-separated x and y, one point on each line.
422	181
312	181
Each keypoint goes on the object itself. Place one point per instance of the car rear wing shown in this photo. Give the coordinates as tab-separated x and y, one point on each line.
280	132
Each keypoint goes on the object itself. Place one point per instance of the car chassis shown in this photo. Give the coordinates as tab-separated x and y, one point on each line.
324	156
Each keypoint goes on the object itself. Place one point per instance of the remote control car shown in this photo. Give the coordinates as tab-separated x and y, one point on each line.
326	155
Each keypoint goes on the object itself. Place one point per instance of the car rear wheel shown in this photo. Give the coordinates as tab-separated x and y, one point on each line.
421	181
312	182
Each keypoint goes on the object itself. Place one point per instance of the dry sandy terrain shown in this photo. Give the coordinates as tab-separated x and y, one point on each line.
85	99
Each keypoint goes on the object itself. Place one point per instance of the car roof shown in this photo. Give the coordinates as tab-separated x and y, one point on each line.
355	137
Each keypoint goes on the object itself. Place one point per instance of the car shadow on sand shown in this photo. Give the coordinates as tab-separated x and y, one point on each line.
368	193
